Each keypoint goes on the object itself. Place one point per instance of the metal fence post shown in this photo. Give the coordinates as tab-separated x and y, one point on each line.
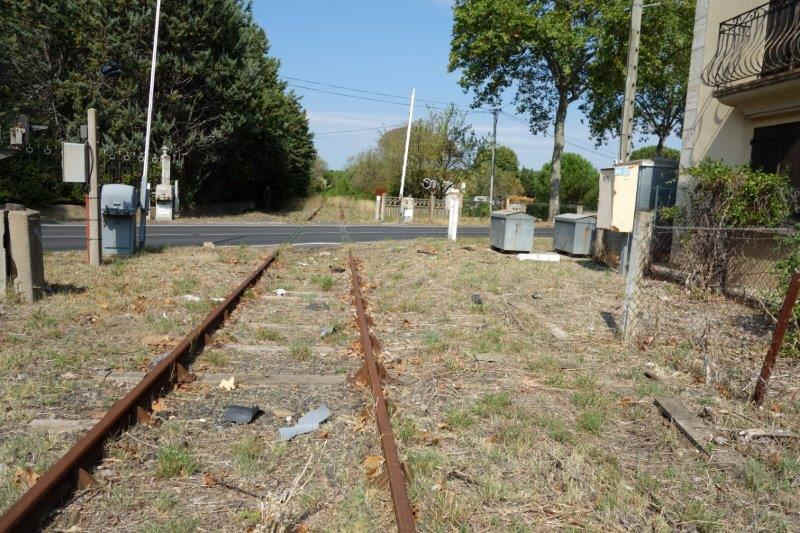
639	254
777	339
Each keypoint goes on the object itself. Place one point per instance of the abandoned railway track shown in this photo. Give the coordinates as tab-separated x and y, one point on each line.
76	473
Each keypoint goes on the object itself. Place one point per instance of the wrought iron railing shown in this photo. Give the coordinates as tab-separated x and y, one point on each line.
756	44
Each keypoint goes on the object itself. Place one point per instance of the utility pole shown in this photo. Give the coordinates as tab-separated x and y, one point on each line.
94	204
495	111
405	155
630	82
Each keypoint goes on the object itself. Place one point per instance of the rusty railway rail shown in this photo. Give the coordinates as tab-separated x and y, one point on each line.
72	470
397	478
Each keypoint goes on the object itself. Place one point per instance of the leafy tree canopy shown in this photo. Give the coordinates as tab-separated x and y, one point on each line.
234	130
663	72
540	49
579	183
649	152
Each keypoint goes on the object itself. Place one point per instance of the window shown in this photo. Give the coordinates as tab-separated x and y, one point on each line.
777	149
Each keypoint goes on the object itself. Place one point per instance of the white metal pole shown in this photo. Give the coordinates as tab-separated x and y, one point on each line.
494	145
405	155
146	163
630	82
95	255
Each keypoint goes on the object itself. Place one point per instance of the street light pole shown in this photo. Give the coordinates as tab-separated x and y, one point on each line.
495	112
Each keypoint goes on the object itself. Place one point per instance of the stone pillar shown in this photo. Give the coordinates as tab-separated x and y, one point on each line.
25	248
377	207
433	204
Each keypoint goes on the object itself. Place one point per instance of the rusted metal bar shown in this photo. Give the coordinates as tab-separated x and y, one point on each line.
777	339
397	479
55	486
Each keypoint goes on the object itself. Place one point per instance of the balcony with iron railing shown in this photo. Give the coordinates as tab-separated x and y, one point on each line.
755	49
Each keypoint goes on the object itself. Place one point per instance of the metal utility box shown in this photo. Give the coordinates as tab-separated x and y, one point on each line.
75	162
641	185
118	205
512	231
573	233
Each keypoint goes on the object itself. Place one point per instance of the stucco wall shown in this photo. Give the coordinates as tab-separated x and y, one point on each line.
712	129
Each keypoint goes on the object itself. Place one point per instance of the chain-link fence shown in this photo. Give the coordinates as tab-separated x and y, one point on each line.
709	298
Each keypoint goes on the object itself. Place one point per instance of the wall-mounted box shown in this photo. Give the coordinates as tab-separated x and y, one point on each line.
75	162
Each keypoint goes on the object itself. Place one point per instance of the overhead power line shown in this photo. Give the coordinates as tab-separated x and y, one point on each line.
365	91
294	83
356	130
567	140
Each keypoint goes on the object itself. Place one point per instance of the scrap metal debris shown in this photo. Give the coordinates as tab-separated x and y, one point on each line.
239	414
306	424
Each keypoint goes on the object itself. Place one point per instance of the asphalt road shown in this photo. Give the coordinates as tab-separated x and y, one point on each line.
71	236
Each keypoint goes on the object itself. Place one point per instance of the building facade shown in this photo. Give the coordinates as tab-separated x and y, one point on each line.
743	97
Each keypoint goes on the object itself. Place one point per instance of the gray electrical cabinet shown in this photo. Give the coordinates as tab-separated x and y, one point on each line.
512	231
658	184
118	205
574	234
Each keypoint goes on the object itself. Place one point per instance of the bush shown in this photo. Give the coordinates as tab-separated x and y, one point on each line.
727	197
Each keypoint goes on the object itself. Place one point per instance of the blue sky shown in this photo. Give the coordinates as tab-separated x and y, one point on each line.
387	47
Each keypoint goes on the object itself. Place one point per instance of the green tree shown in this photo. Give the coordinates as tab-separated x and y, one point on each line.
443	148
504	157
663	72
234	129
542	48
579	184
649	152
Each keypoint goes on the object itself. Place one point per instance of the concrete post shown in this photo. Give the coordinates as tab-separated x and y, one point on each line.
25	247
579	210
453	202
432	205
3	255
166	169
407	209
639	259
377	208
94	203
383	206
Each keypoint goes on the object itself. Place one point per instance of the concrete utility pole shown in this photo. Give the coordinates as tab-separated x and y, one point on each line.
630	83
94	204
495	111
405	156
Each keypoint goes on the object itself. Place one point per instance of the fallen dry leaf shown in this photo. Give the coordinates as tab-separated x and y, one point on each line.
373	466
209	480
228	384
25	477
157	341
159	405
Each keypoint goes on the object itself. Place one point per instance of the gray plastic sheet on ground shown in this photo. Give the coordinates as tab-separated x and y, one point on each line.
307	423
239	414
